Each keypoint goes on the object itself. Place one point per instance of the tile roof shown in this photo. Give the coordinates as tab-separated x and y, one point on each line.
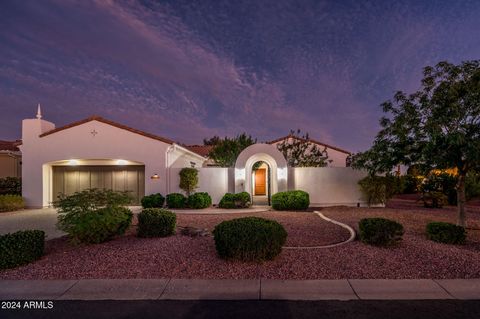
102	120
202	150
311	140
10	145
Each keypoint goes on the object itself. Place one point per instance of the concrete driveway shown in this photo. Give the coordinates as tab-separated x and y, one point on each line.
43	219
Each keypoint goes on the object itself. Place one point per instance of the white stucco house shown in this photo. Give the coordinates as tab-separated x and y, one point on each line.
99	153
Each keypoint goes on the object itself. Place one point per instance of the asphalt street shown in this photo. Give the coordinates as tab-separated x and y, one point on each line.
359	309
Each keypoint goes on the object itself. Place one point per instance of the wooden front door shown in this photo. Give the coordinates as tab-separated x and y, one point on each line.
260	181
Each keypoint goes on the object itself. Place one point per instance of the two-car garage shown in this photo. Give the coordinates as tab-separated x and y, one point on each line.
71	179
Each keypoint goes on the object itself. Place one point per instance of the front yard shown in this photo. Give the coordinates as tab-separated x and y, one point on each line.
181	256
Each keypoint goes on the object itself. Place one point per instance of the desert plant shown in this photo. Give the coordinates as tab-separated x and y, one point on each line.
199	200
93	215
380	231
11	202
176	200
188	179
446	233
153	201
21	248
239	200
249	239
11	186
156	222
291	200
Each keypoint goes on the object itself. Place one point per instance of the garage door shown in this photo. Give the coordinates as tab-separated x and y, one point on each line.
71	179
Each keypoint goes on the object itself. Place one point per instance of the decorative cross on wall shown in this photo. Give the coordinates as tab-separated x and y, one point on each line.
94	133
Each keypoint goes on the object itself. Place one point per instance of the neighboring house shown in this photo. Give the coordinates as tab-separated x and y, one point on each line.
99	153
10	159
337	157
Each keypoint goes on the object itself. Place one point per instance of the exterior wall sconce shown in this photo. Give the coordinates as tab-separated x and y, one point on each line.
155	176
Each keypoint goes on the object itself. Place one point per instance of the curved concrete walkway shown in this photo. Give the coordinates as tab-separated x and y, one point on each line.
350	230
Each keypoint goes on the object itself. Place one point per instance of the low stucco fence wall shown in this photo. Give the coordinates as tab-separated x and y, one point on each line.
327	186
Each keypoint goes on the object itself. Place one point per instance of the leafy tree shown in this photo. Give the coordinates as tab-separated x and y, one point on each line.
300	151
226	151
437	127
212	141
188	179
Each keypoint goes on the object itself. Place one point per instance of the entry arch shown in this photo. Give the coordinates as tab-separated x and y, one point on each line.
267	153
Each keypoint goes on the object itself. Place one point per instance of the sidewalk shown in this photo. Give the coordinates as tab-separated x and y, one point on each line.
255	289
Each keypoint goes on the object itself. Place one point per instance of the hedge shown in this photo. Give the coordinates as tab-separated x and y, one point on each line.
239	200
153	201
11	202
199	200
291	200
249	239
21	248
380	231
11	186
176	200
156	222
446	233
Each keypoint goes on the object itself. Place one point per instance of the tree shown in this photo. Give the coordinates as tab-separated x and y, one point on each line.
188	179
437	127
225	151
300	151
212	141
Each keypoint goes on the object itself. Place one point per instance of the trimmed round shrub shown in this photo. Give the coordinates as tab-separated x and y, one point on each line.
10	203
156	222
153	201
176	200
199	200
21	248
291	200
249	239
380	231
239	200
446	233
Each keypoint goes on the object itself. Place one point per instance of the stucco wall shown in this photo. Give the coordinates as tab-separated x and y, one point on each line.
214	180
328	186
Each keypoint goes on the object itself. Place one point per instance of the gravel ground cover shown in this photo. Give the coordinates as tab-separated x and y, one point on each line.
186	257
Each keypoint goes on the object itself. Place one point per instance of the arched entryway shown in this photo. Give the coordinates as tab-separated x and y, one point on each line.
275	174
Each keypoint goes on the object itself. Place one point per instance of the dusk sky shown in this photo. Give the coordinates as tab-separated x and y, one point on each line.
192	69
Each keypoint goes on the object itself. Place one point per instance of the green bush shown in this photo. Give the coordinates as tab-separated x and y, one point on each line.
411	184
156	222
199	200
249	239
239	200
93	215
446	233
176	200
291	200
188	179
21	248
441	183
434	199
10	203
379	189
472	185
153	201
380	231
10	186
